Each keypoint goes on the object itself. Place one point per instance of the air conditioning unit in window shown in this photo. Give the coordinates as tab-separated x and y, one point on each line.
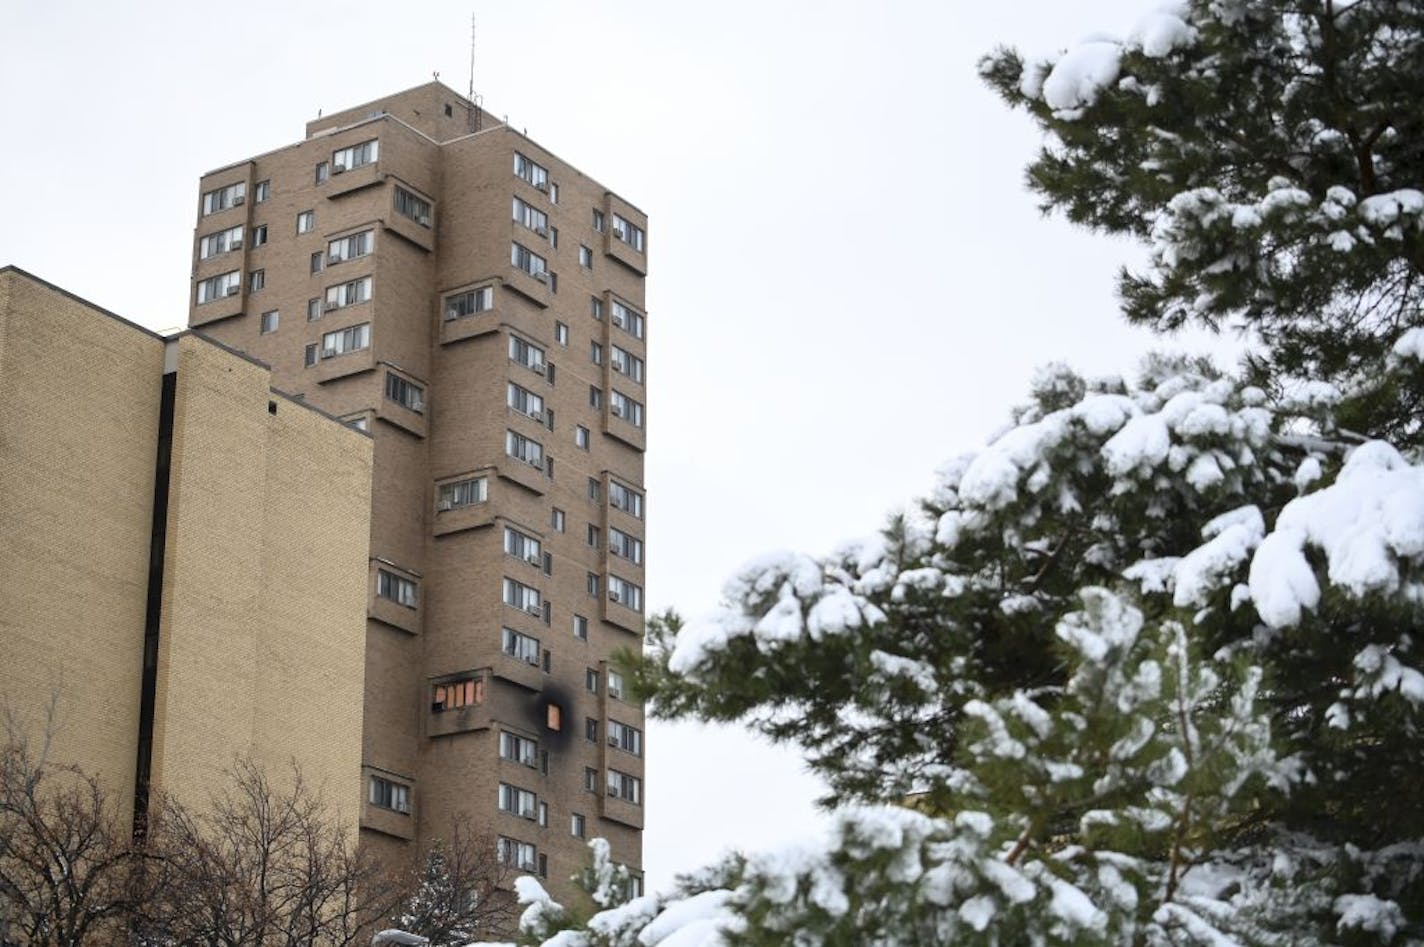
444	505
614	596
534	559
612	740
234	290
537	415
543	186
534	462
451	314
333	257
527	812
417	405
423	220
541	276
537	368
237	244
331	305
238	201
542	231
338	168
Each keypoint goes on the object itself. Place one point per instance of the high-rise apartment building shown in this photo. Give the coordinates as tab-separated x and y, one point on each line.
477	305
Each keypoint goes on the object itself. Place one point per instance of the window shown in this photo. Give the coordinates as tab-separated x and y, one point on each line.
553	193
396	588
317	259
343	341
581	629
548	566
527	354
581	436
309	357
220	242
615	684
522	448
521	802
626	363
531	217
524	547
389	795
518	749
259	235
256	280
590	779
530	262
627	319
622	406
467	304
595	353
592	583
524	401
595	489
628	547
314	309
590	729
452	695
323	171
556	521
561	333
577	826
625	593
407	394
349	248
543	821
624	737
593	535
625	787
416	208
217	287
595	397
269	321
306	221
518	854
262	191
356	156
348	294
525	598
585	256
517	645
628	233
535	174
598	222
462	493
224	197
622	498
554	717
595	307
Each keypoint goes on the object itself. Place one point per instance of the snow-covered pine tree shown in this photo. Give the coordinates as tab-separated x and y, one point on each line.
1271	153
1146	669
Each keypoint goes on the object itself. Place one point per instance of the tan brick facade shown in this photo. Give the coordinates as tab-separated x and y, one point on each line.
263	595
585	319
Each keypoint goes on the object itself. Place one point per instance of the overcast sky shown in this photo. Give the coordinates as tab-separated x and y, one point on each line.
848	283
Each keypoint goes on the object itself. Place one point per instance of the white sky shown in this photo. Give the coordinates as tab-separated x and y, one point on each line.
849	284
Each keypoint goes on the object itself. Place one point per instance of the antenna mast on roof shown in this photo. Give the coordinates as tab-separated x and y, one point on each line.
476	113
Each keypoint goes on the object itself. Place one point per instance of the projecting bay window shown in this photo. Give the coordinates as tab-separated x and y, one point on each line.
467	304
522	448
522	258
626	363
524	547
625	499
622	406
389	795
452	496
520	802
628	233
531	217
525	402
220	242
629	320
409	205
625	593
453	695
625	787
396	588
350	248
535	174
628	547
348	294
624	737
518	749
407	394
527	354
518	854
224	197
219	287
354	157
519	646
343	341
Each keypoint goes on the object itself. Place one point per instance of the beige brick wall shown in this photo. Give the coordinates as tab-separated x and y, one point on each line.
79	400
